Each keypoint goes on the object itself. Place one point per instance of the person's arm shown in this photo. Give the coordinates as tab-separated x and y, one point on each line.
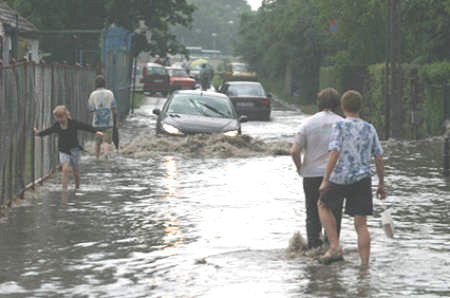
86	127
296	156
45	132
377	150
379	163
334	148
332	160
91	106
297	147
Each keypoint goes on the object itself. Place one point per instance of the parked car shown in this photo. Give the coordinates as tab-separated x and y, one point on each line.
155	79
179	79
193	112
249	98
238	72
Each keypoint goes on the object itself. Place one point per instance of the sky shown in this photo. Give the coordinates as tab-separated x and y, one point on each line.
255	4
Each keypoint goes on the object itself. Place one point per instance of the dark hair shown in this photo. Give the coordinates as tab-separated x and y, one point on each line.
100	82
328	99
351	101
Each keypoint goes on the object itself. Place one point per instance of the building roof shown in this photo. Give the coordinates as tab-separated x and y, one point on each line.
8	16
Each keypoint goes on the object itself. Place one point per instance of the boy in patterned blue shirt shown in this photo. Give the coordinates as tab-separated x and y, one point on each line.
348	176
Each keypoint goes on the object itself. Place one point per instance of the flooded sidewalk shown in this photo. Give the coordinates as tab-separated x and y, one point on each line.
173	224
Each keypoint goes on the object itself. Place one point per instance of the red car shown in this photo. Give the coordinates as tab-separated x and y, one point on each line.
155	79
179	79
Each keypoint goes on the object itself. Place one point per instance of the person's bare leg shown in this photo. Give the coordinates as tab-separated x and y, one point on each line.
97	150
363	239
329	223
65	175
106	149
76	176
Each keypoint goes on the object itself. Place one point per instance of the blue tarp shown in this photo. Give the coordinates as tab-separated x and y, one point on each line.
116	38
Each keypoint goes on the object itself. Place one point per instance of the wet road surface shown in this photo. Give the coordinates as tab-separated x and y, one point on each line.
168	225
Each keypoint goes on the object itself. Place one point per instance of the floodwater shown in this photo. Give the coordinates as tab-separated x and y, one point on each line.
173	224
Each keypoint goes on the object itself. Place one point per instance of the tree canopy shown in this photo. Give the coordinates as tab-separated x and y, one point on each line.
297	37
159	16
215	24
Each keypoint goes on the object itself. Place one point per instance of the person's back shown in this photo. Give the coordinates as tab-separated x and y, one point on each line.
101	102
315	135
358	143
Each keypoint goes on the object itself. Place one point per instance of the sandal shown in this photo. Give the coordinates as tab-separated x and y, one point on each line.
331	257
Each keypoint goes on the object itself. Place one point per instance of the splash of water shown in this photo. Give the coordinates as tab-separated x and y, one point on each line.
204	146
297	245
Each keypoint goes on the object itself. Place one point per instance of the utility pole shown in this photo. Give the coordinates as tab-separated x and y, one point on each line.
393	75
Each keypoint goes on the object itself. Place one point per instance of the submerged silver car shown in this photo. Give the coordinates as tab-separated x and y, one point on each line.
197	112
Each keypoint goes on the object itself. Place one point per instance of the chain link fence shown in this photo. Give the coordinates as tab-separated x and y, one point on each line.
28	93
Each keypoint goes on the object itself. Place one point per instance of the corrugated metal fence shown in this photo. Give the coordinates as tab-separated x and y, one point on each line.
117	61
28	93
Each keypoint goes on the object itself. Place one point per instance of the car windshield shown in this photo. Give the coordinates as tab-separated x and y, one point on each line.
155	70
178	73
209	106
240	68
246	90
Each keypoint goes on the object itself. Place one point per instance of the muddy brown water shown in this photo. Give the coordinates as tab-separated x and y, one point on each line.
173	224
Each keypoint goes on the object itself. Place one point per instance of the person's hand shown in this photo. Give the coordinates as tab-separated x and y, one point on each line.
99	134
381	192
300	172
323	186
36	131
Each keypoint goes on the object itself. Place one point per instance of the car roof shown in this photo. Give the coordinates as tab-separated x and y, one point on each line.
243	83
174	68
154	64
201	93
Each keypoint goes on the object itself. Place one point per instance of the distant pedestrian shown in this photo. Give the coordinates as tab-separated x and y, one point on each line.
103	105
69	148
312	140
348	176
205	77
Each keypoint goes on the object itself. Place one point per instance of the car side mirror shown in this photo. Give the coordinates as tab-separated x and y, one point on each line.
157	112
243	119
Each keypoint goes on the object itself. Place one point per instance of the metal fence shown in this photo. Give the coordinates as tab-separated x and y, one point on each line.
28	93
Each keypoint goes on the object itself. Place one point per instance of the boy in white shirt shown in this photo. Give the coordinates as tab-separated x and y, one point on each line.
103	105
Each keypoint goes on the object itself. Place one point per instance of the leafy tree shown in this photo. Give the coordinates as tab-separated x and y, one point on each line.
159	16
285	40
215	24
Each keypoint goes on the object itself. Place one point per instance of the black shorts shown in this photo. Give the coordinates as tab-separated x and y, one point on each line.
359	200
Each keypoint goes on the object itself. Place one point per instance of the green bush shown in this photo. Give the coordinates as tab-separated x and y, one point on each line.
432	82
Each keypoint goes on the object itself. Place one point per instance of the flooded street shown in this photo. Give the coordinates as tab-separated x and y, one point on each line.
167	224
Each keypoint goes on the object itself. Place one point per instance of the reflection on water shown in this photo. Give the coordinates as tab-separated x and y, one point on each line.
172	226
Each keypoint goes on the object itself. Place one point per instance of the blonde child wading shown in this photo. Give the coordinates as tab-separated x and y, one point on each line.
69	148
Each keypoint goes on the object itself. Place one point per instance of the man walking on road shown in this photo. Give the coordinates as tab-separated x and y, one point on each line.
312	139
103	105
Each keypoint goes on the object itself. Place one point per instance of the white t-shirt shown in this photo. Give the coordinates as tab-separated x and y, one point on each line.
314	136
101	102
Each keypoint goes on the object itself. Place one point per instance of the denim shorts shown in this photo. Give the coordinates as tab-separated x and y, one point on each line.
73	159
